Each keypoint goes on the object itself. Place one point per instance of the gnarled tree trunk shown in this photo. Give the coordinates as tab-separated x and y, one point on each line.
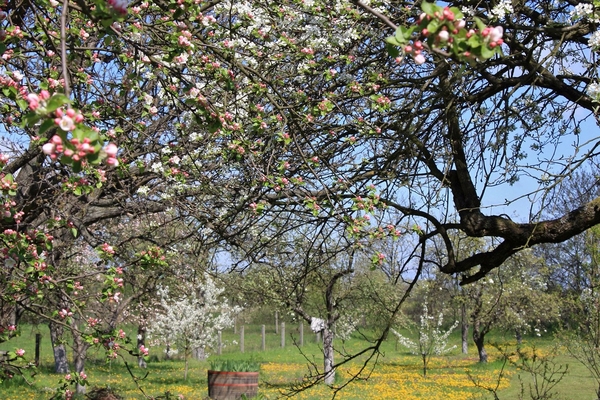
61	365
479	339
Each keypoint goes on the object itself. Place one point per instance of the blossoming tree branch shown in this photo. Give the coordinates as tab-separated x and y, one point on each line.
229	117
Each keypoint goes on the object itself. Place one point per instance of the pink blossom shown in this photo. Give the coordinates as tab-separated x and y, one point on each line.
82	375
108	248
143	350
66	123
111	150
34	101
20	352
496	33
443	36
419	59
49	148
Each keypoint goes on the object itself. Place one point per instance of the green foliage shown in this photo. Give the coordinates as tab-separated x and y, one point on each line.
234	365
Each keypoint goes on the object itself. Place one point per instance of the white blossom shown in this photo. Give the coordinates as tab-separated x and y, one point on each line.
593	90
502	8
594	41
191	318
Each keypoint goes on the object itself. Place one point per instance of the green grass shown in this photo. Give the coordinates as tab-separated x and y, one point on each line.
398	373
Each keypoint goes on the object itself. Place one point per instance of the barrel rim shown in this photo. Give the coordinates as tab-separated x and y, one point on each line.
233	372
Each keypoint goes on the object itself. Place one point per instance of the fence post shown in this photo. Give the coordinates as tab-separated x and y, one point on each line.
262	334
242	338
220	343
301	333
276	322
318	337
282	334
38	341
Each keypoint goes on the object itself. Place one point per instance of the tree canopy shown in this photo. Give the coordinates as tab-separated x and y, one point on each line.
243	120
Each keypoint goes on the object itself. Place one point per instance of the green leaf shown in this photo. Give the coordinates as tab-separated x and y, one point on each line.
391	40
74	232
47	124
57	101
480	24
392	50
22	104
429	8
403	34
433	25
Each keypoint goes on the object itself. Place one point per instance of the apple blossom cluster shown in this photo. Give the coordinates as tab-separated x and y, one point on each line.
444	29
120	6
585	10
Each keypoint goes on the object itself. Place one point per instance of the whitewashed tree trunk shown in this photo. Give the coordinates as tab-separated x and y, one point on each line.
464	328
61	365
328	367
141	341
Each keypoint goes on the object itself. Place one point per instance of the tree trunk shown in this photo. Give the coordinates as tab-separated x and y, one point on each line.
199	353
141	341
80	348
185	372
61	365
328	370
479	339
519	337
464	329
167	352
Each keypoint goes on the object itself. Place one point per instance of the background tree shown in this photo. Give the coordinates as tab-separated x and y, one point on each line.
191	319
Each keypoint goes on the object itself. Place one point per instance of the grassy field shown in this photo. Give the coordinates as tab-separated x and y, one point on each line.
397	375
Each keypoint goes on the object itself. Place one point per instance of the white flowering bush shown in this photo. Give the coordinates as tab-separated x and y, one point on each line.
432	339
192	318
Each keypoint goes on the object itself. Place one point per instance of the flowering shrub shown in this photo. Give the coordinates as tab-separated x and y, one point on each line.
191	319
432	340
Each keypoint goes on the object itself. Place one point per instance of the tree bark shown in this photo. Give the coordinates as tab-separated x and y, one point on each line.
80	348
464	329
328	362
61	365
479	339
141	341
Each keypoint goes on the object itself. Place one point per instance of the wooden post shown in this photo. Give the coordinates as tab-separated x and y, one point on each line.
38	341
220	343
318	337
242	338
235	325
262	334
301	333
276	322
282	334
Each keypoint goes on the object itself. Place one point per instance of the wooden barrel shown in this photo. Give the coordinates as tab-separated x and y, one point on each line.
231	385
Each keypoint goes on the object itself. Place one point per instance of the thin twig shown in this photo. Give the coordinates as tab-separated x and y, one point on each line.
376	13
63	46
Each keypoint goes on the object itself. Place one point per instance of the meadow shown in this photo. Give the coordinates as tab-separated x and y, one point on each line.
397	375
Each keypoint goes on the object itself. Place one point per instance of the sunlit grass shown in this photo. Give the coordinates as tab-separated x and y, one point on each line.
397	375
